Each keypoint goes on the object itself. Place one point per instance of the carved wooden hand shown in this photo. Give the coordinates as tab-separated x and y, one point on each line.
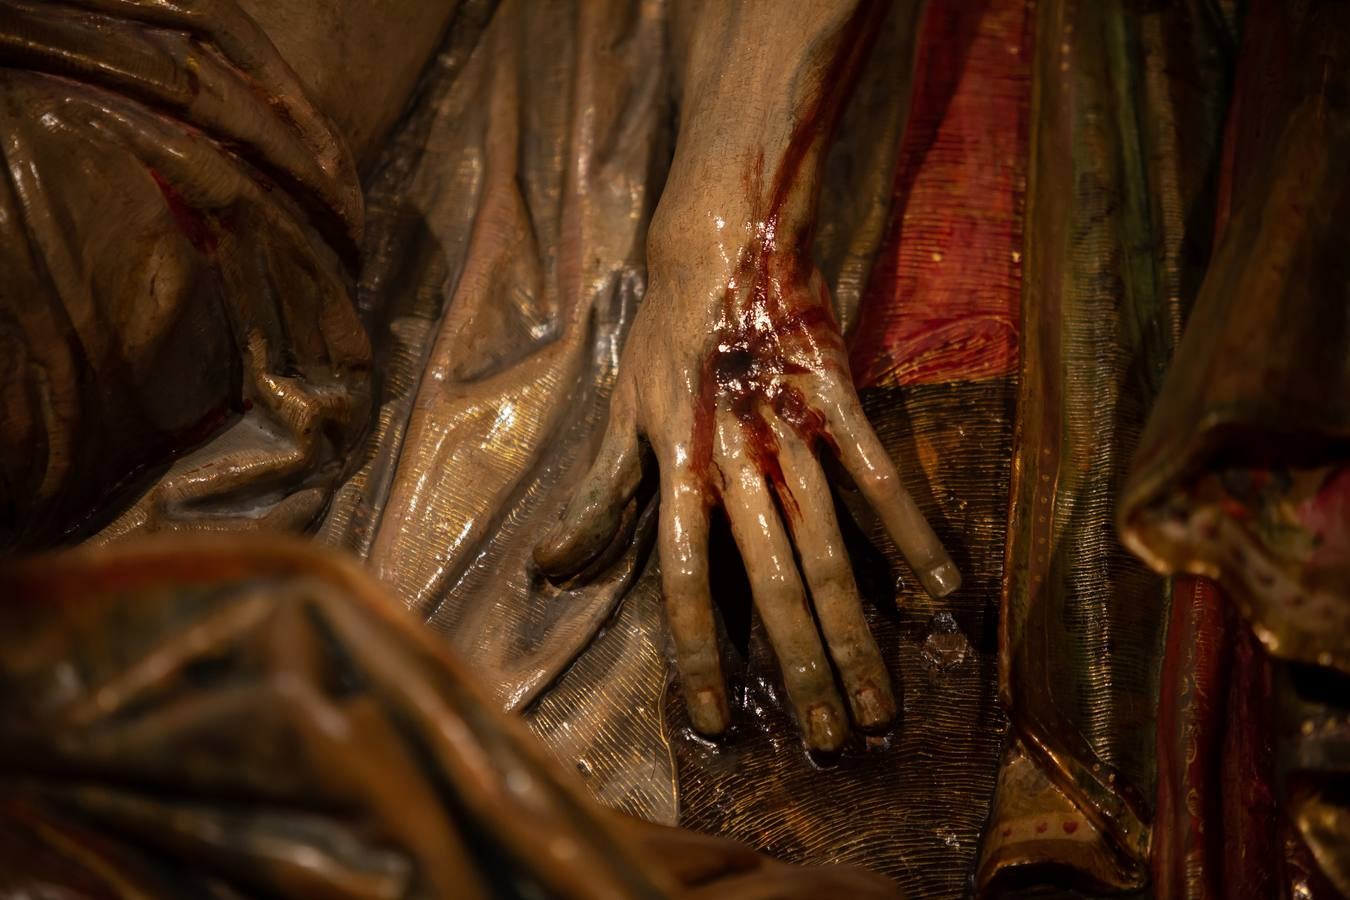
736	375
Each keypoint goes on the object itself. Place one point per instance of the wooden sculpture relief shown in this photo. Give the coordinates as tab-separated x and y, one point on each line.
907	434
247	716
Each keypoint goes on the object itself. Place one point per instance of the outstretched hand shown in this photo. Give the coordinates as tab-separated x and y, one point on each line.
738	390
735	375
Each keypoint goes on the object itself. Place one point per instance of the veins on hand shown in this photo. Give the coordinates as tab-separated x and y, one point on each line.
776	325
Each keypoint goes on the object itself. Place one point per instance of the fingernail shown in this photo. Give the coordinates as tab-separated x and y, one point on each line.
707	711
874	707
824	727
941	580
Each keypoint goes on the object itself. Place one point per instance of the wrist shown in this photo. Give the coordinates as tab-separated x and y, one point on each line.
709	239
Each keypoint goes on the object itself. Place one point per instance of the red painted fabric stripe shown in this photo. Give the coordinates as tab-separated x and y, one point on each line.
944	300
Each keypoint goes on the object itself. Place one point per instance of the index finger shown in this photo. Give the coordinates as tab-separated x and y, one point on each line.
862	454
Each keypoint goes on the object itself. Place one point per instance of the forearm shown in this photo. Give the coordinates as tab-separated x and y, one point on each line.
762	86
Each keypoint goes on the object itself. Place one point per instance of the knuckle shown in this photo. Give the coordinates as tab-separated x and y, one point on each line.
779	591
581	509
856	651
684	583
881	480
698	659
833	577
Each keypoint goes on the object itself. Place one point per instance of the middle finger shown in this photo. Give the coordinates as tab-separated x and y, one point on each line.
778	592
